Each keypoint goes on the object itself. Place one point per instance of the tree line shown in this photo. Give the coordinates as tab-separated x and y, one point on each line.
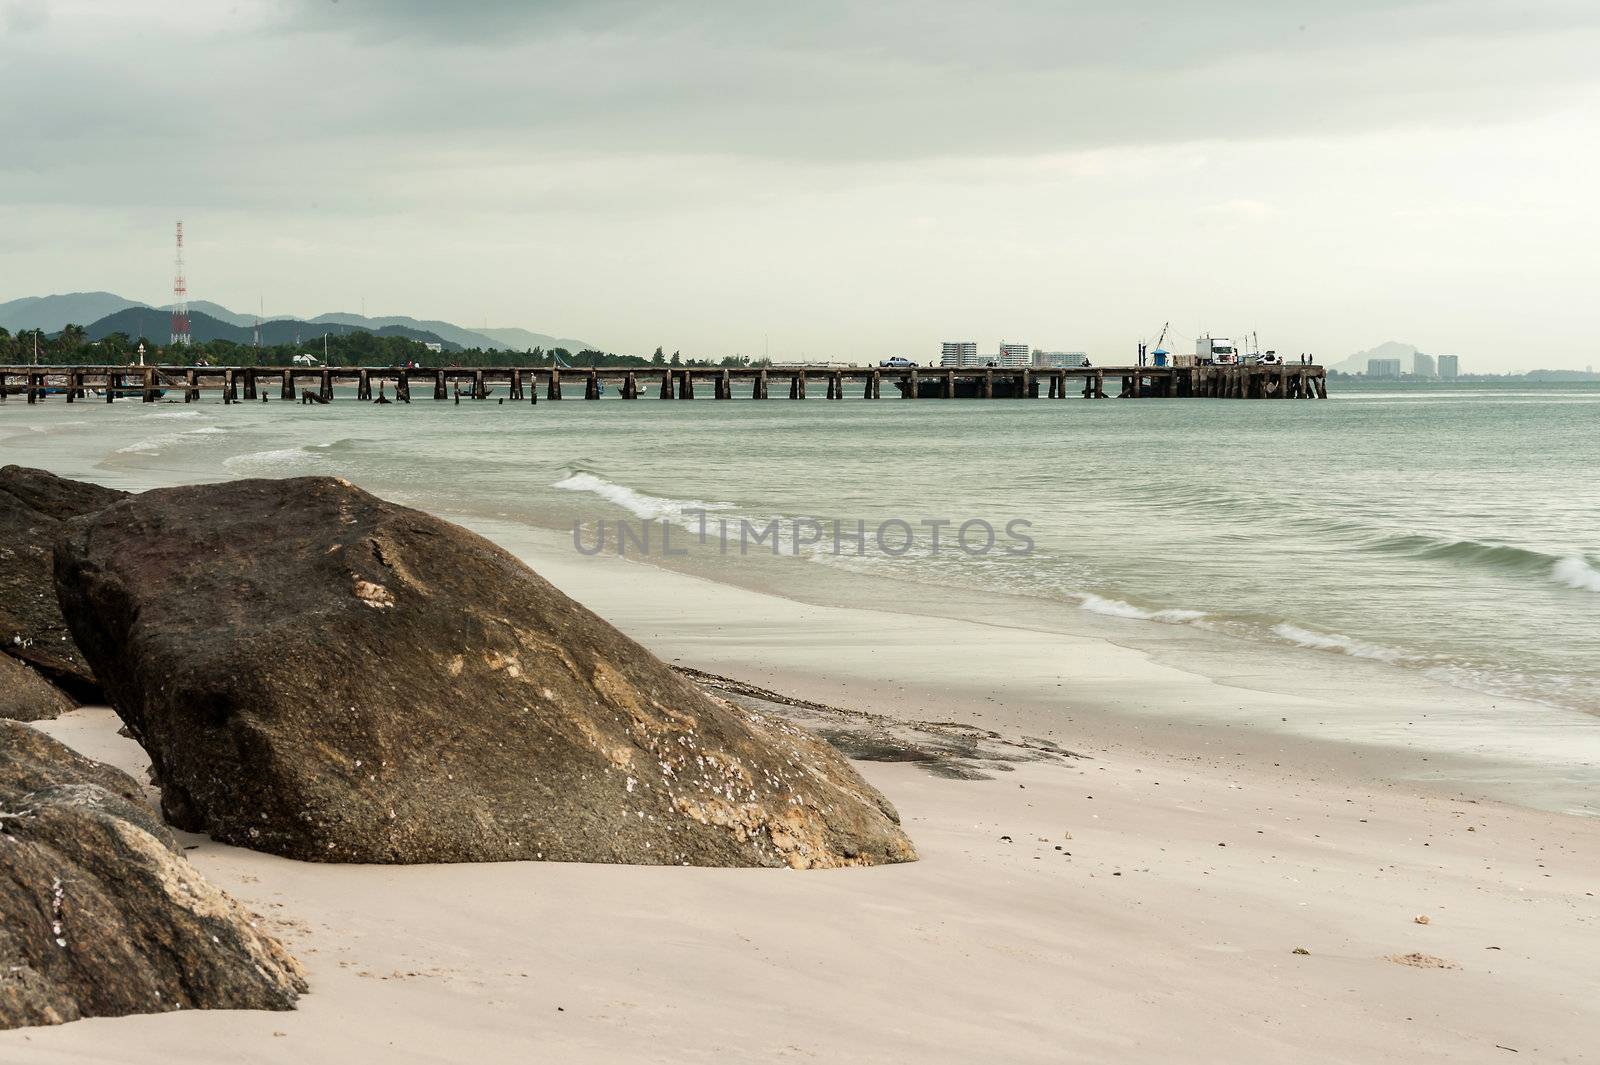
72	347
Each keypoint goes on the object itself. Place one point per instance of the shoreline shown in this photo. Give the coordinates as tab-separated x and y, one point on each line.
1157	689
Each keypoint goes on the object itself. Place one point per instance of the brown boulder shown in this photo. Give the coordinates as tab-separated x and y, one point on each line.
55	497
26	696
100	915
33	504
321	674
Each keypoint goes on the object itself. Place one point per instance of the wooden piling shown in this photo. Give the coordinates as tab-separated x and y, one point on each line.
591	385
554	392
630	386
666	385
760	390
402	387
363	384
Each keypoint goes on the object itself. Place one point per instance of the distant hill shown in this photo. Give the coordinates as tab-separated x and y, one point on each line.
1389	349
53	313
217	311
156	325
521	340
500	339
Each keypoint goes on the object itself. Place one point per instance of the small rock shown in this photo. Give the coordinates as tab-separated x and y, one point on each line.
1421	918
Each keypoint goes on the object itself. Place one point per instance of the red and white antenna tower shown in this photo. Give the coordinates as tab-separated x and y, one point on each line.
180	296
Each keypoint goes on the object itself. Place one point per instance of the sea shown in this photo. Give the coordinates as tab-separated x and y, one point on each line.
1446	532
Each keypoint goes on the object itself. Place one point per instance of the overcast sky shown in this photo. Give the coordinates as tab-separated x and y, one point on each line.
840	180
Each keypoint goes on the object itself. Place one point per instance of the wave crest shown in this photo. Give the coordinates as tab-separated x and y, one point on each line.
1332	641
639	504
1576	573
1116	608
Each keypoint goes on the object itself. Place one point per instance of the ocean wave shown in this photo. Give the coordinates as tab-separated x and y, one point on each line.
176	414
1576	573
271	463
1505	558
156	444
343	444
639	504
1116	608
1332	641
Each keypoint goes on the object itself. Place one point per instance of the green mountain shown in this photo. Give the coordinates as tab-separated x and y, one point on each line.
53	313
156	325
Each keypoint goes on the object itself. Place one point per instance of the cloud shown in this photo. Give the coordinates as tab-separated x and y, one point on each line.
23	16
670	148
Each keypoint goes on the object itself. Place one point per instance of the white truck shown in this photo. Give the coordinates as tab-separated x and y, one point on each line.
1215	351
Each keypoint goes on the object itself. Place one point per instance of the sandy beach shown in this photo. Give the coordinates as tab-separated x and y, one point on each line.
1147	902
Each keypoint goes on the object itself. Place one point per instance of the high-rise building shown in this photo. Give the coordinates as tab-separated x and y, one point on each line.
1449	367
959	353
1422	365
1014	355
1060	360
1389	368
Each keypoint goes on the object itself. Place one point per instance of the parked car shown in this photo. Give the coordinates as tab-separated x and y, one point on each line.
897	362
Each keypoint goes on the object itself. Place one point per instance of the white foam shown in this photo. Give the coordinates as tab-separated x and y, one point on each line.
1116	608
1332	641
176	414
155	444
1577	574
639	504
267	461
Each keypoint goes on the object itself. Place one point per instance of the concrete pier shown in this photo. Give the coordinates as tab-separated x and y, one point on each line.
1256	381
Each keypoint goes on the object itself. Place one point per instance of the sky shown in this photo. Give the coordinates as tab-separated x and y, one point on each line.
827	180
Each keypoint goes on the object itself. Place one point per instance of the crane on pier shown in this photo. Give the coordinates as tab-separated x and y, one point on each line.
1160	353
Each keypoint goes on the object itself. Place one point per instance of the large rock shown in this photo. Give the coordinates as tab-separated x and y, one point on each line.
100	915
55	497
33	504
26	696
322	674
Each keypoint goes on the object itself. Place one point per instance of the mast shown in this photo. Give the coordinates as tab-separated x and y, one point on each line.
180	296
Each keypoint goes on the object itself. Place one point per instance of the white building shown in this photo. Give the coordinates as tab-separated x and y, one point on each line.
1060	360
1449	367
1014	356
1387	368
1422	365
959	353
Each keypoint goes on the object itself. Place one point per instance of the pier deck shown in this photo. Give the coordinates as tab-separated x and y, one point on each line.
315	384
